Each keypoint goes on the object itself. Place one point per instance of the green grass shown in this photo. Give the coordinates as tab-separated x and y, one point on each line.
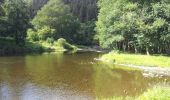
157	93
137	59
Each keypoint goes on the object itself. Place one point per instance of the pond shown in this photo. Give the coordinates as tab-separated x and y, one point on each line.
68	77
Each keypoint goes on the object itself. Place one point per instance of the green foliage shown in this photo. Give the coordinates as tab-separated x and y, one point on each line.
53	21
33	47
63	43
86	34
134	25
17	18
32	35
50	40
45	32
85	10
40	34
56	15
8	47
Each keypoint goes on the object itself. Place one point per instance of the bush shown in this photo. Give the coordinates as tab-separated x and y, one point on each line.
40	34
63	43
32	35
50	40
45	32
32	47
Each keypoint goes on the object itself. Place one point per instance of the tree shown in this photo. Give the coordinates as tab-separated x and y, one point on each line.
17	15
2	20
135	26
56	15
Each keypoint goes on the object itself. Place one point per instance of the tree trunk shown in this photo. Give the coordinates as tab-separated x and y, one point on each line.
136	50
124	46
147	51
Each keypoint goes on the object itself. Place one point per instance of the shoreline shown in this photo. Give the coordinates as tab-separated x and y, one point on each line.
147	71
150	65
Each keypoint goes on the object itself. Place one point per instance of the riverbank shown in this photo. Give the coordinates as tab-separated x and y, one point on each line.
9	47
94	48
151	66
137	59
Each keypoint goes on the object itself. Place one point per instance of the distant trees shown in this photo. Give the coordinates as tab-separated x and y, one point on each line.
37	5
85	10
73	20
135	26
15	19
127	25
2	21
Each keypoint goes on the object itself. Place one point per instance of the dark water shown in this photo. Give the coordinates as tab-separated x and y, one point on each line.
68	77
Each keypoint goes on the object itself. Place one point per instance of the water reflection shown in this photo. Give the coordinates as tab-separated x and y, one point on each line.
67	76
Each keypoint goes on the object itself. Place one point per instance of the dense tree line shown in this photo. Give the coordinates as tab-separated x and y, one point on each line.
55	21
14	20
85	10
44	19
67	20
139	26
134	25
37	5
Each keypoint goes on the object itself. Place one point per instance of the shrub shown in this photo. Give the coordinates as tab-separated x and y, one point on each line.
50	40
45	32
63	43
32	47
32	35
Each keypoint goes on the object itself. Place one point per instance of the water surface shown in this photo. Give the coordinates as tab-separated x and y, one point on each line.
68	77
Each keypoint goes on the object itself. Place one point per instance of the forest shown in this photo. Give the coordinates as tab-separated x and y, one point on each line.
124	25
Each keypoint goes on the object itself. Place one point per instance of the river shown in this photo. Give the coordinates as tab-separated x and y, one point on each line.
58	76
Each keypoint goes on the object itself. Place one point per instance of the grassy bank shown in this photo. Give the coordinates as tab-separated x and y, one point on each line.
137	59
157	93
9	47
